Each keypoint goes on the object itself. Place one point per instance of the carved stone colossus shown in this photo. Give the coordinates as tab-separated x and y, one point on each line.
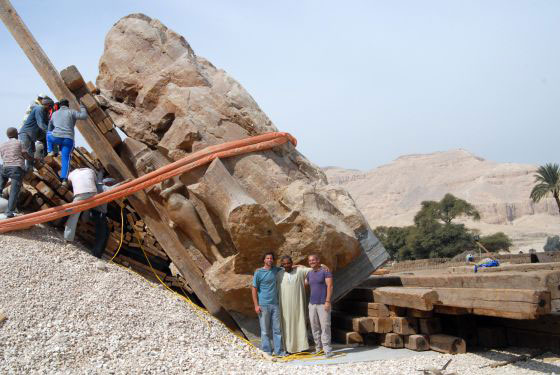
170	102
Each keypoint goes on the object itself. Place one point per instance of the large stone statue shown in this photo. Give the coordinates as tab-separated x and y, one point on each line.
170	103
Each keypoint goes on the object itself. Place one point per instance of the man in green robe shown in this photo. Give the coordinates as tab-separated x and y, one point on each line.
293	304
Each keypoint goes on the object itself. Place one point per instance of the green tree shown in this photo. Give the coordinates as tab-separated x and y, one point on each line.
394	241
496	242
447	209
548	182
433	235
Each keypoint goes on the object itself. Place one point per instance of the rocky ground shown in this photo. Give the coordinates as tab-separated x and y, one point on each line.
67	313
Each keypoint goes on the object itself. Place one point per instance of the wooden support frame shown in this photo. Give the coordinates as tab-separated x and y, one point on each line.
154	219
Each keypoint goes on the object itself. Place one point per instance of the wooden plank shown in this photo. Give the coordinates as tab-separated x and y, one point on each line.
392	340
45	190
347	337
507	303
115	166
447	344
537	280
418	343
405	326
416	298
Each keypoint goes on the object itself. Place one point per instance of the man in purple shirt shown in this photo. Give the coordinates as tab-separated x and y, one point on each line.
320	282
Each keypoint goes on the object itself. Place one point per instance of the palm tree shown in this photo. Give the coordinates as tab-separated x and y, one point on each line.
548	182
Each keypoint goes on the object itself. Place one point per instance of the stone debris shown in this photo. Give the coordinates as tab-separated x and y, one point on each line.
68	318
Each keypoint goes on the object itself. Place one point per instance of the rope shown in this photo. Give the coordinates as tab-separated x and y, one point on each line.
188	163
122	235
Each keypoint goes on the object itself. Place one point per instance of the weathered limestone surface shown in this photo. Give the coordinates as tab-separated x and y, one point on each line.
170	103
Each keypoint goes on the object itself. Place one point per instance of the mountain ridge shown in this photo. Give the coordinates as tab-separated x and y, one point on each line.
391	194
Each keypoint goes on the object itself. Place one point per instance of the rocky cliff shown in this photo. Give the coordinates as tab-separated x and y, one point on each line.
391	194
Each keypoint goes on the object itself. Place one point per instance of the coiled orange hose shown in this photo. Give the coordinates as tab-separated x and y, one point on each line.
190	162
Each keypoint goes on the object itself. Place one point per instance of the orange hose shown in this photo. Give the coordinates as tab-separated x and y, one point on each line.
190	162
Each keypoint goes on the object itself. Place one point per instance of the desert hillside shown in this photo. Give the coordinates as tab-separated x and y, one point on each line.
391	194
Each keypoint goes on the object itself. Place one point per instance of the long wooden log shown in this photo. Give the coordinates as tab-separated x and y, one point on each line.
114	165
416	298
506	303
537	280
447	344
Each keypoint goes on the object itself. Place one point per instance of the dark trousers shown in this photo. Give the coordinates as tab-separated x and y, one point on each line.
28	144
15	174
101	232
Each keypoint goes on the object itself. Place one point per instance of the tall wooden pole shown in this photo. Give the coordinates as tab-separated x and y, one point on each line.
154	219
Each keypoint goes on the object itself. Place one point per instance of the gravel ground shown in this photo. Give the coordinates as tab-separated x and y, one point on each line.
69	313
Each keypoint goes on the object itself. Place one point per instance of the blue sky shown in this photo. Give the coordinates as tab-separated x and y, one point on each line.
359	83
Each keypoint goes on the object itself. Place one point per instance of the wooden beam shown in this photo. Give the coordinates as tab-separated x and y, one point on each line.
416	298
534	279
447	344
114	165
506	303
418	343
392	340
347	337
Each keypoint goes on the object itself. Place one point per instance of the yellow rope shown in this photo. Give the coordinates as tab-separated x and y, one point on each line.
122	235
302	356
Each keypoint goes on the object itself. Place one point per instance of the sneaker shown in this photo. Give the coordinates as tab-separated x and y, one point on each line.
329	354
317	351
10	215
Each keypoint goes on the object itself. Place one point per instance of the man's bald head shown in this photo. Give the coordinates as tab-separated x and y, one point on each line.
12	133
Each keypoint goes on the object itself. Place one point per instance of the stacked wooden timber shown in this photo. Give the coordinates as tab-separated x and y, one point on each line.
85	92
43	189
455	308
356	321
